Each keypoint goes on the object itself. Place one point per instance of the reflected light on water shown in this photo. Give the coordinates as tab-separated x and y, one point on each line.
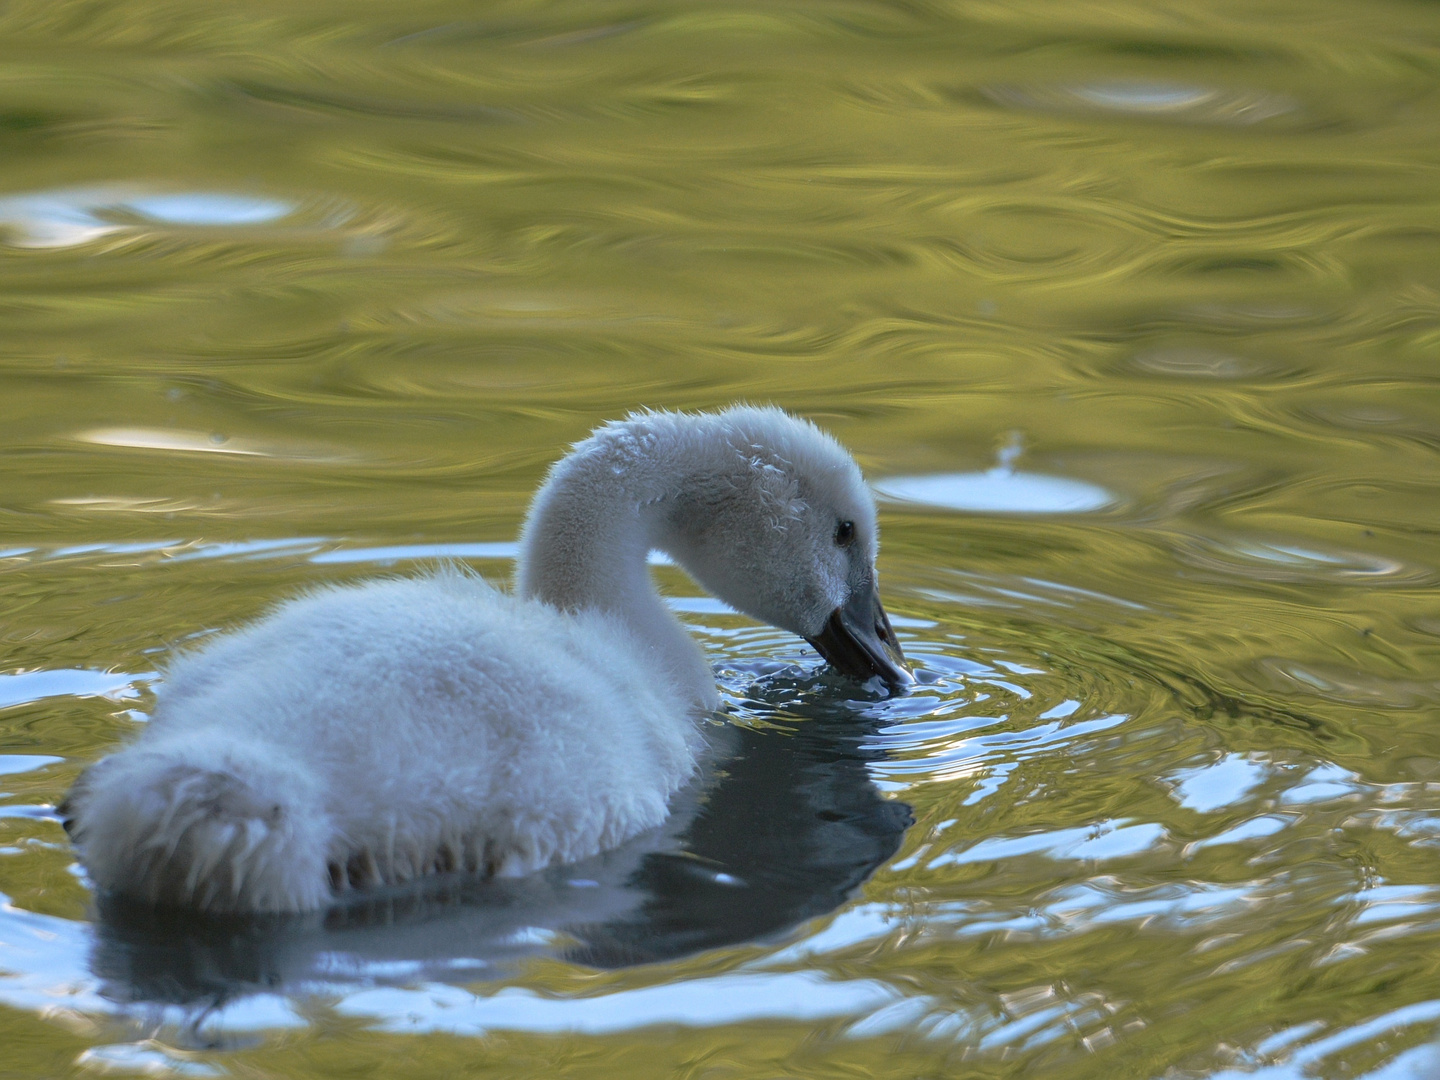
1217	786
1145	97
1158	100
196	442
30	686
297	294
75	216
725	999
998	491
1001	490
11	764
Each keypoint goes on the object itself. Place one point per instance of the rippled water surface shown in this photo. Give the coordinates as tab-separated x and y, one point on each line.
1131	312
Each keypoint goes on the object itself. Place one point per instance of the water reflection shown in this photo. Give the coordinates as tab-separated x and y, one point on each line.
75	216
1159	100
787	826
1198	363
145	1058
13	764
1193	248
25	687
998	491
705	1002
1286	559
197	442
1222	784
1001	490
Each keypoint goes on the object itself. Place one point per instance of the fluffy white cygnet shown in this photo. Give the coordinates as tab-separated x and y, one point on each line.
369	734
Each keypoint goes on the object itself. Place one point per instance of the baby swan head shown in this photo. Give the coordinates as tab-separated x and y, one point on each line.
773	516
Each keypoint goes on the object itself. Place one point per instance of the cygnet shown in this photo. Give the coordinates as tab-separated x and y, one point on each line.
366	735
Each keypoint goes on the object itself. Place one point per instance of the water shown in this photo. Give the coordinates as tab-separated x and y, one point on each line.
1130	311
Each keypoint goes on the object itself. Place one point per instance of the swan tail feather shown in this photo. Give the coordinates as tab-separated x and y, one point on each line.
204	825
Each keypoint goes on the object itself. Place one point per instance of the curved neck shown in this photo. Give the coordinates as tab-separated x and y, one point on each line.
584	547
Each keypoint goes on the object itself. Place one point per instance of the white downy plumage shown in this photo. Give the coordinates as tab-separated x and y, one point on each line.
367	735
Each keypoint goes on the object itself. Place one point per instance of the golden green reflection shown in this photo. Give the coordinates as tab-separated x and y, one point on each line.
286	287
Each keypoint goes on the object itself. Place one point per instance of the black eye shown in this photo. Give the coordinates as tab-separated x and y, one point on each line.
844	533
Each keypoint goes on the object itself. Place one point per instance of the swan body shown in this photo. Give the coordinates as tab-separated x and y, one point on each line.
371	734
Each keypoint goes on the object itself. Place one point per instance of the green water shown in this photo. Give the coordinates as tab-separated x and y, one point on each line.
294	293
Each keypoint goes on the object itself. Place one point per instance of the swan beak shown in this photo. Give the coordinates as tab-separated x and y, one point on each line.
857	640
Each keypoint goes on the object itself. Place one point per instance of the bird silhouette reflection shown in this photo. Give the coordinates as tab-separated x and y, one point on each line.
784	827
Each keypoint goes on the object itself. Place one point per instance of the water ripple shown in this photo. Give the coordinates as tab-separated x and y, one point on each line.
723	999
1185	103
997	491
74	216
332	286
1284	560
27	687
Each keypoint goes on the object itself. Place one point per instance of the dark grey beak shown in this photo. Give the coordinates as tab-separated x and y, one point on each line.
857	640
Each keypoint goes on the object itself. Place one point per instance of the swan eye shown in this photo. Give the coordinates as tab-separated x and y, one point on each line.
844	533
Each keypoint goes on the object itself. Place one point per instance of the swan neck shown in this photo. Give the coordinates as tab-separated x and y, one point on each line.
585	543
584	548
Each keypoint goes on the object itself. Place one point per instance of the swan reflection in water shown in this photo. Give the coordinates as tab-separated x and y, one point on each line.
783	828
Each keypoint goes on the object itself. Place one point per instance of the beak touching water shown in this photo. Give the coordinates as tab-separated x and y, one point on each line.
857	640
